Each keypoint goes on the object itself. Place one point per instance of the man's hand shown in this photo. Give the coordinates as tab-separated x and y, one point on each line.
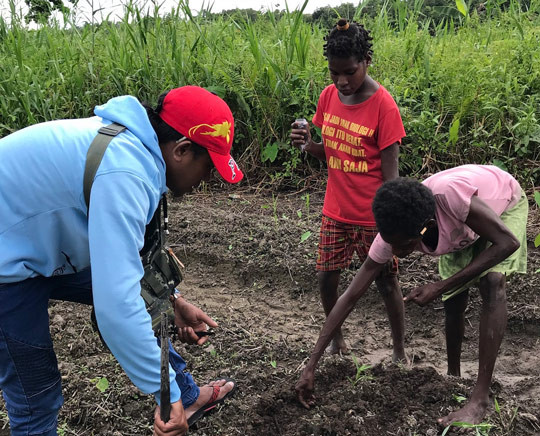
425	294
304	389
190	319
177	425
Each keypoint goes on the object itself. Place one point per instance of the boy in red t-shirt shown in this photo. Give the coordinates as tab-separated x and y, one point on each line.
361	130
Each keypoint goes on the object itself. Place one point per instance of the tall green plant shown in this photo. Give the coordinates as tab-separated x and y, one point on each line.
537	200
469	91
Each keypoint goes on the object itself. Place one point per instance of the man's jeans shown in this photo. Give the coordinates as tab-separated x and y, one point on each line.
29	376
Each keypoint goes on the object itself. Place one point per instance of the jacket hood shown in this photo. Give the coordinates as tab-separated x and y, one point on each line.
129	112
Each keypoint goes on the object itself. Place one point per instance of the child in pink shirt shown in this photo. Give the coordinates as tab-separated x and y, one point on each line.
474	217
453	190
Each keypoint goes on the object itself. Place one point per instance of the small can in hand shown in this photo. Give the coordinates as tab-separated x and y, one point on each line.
302	123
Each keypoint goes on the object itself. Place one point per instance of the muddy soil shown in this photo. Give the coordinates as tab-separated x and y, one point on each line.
250	265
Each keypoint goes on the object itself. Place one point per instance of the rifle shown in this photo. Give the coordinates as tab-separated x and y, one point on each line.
165	388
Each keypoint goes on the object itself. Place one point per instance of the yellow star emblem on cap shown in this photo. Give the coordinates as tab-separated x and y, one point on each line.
223	129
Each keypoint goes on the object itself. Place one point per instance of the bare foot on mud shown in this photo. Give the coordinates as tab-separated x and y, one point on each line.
206	393
472	413
337	346
400	357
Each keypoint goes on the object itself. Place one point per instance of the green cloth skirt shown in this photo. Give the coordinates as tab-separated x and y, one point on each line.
516	220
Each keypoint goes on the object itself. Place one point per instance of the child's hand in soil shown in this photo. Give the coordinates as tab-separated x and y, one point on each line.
177	424
304	389
189	319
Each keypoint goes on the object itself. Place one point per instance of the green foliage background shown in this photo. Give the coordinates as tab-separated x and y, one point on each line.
468	86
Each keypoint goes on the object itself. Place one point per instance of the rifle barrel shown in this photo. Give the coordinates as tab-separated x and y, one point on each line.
165	391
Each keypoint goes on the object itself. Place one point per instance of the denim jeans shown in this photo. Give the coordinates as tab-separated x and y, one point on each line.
29	376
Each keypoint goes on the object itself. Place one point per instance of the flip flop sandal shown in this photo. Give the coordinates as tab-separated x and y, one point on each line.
212	403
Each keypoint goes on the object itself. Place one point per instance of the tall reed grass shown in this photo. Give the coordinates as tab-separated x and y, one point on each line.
469	91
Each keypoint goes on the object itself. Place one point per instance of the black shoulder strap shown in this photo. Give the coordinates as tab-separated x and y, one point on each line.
95	154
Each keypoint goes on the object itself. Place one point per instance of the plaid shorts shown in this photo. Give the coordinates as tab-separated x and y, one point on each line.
338	241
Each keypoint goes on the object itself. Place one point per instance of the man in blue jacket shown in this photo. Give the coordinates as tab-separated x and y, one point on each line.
52	247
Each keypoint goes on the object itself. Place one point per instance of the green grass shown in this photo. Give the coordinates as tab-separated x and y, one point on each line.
469	91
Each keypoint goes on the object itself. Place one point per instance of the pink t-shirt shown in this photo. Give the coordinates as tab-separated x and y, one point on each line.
453	190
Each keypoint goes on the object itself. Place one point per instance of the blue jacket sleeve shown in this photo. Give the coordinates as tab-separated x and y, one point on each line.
120	206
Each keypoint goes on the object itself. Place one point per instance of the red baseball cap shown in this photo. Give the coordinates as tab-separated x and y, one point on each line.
205	119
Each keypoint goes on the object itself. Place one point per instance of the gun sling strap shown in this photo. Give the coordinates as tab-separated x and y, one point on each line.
161	267
95	154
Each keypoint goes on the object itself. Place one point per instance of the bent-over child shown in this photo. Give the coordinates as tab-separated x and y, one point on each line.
474	217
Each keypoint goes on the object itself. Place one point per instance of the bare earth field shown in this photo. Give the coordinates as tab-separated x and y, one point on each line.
248	268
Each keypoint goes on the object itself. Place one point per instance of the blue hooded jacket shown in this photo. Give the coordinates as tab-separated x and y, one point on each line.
44	221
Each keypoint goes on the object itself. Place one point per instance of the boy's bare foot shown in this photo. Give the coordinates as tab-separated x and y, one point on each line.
400	357
206	393
337	346
473	413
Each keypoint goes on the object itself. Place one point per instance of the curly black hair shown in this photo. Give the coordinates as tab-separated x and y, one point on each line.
164	132
348	39
402	206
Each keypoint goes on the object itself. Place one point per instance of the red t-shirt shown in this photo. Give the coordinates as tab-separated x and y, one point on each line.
353	137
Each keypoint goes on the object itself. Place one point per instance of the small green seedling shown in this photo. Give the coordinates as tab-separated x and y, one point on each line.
361	372
4	417
274	208
305	236
101	383
63	430
497	407
481	429
273	364
460	398
505	422
306	199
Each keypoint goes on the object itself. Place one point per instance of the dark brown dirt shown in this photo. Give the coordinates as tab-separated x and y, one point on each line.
247	267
